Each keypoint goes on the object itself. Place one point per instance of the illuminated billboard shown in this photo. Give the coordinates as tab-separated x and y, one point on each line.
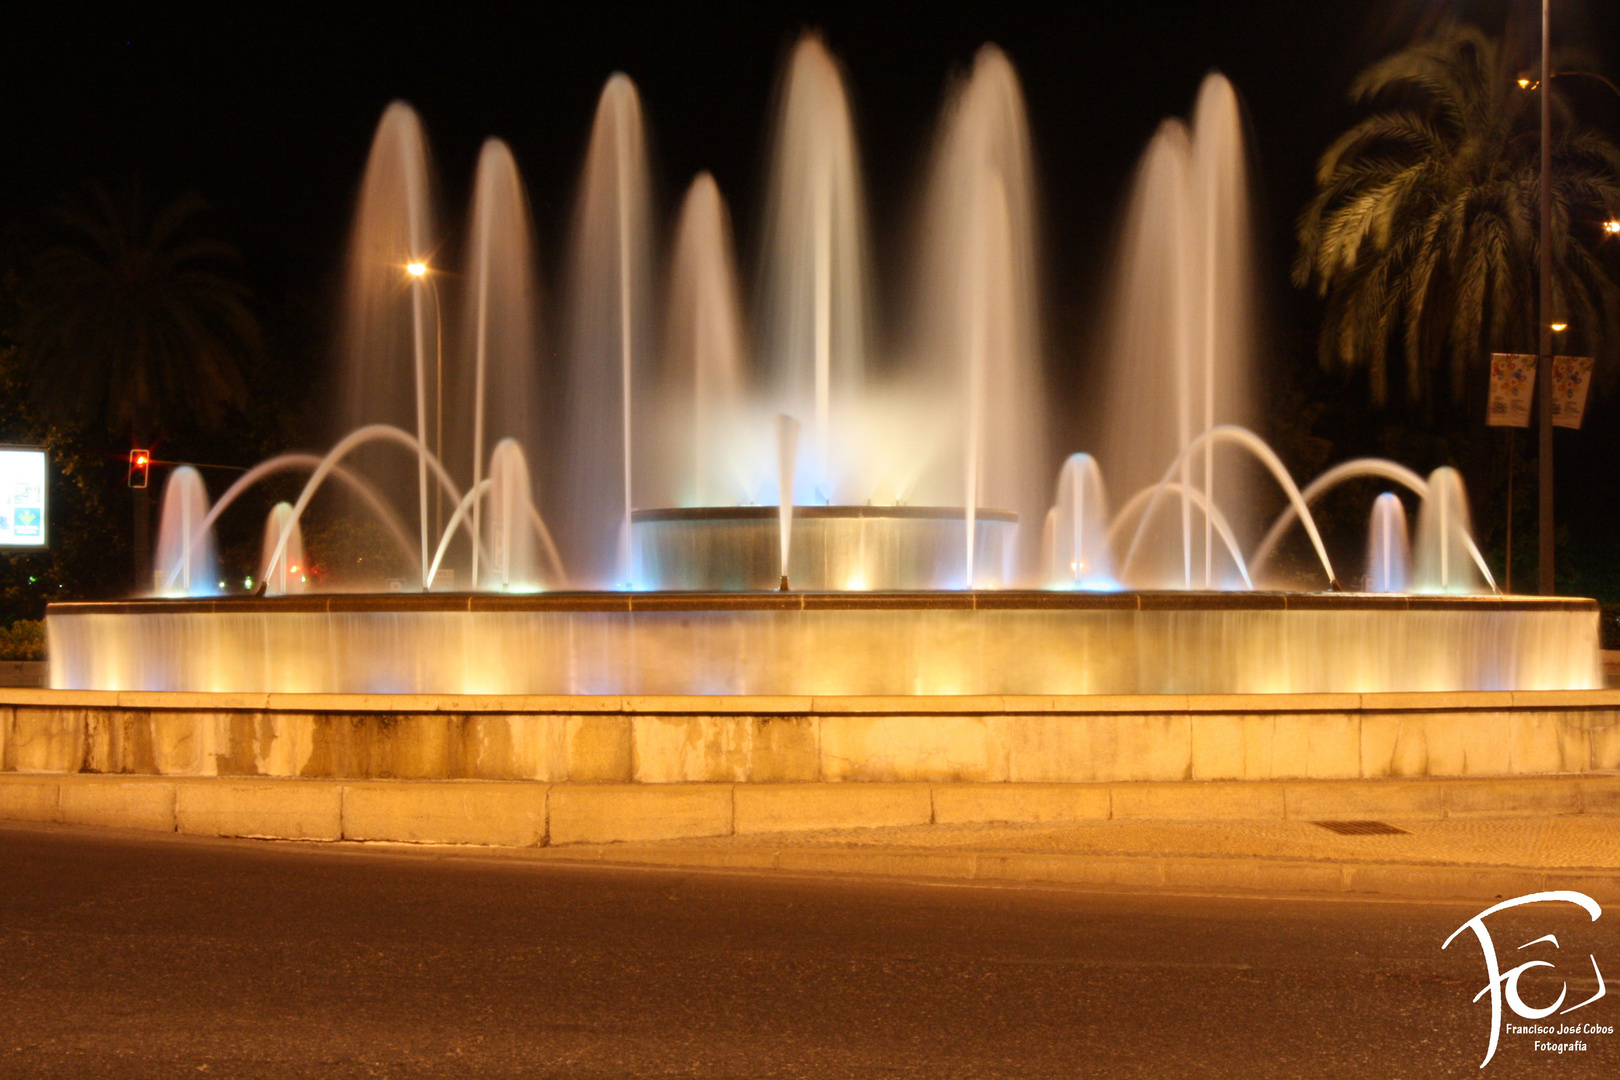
22	497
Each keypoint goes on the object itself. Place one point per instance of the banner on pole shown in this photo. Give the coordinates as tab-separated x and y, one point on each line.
1513	383
1572	376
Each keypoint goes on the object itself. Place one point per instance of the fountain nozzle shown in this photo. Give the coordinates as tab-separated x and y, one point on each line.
784	586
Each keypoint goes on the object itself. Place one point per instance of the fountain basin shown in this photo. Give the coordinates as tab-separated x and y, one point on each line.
813	643
833	547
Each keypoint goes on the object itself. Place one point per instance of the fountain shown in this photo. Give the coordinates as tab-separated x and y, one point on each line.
185	552
704	364
1181	347
1389	553
773	499
610	283
1445	558
1079	553
502	299
392	331
288	575
814	320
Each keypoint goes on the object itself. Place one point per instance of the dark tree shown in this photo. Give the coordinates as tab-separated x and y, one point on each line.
138	320
1423	232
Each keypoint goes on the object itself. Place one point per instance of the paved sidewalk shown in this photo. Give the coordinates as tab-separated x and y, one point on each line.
1465	858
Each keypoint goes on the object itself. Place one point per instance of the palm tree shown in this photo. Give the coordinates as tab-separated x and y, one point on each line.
1423	231
138	315
136	319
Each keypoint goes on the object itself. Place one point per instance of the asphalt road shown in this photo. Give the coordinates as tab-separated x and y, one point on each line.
164	957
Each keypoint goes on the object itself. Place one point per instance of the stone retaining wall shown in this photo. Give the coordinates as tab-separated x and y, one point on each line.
726	740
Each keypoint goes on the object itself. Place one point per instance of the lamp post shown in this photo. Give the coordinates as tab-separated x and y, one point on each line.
1544	479
419	272
1544	307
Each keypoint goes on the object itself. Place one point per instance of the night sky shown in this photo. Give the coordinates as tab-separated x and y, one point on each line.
271	119
269	115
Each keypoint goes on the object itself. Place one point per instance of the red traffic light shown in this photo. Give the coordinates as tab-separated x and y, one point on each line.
140	468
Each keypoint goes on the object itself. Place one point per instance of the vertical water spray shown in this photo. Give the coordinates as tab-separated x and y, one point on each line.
814	314
480	279
510	531
1080	554
1208	194
703	358
1174	151
185	550
1049	555
503	336
821	222
1445	559
1182	319
621	164
787	448
987	227
978	326
1389	552
385	339
1221	205
609	308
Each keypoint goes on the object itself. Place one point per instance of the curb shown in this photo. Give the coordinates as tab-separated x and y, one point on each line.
525	813
637	824
1172	875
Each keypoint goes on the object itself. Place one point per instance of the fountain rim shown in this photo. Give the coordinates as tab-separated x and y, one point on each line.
772	513
954	600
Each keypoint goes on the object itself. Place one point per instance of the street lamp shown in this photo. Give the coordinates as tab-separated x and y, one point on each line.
1544	470
418	270
1541	80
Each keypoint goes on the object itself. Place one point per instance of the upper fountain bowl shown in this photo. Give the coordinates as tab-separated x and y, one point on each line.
844	548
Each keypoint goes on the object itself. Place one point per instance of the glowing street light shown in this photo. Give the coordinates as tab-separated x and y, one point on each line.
1611	227
416	269
1559	327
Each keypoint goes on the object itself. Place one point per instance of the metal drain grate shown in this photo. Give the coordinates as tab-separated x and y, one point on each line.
1361	828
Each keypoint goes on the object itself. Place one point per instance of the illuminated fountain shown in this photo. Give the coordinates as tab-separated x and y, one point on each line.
1181	351
185	550
1389	554
287	575
1079	553
777	504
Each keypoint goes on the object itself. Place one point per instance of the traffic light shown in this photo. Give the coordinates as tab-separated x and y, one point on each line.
140	468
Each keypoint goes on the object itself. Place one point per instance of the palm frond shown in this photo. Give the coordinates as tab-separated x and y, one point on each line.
1426	216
